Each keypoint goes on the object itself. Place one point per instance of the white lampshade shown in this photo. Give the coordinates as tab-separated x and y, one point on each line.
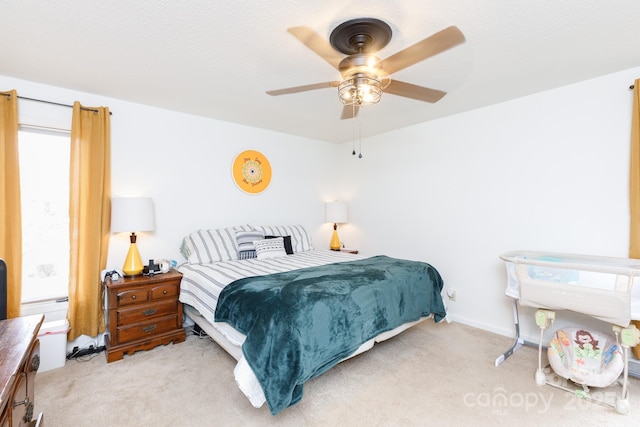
335	212
132	214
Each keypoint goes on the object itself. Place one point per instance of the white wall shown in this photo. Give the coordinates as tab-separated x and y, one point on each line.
547	172
184	163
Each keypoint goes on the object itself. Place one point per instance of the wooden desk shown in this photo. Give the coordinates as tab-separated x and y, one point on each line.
19	362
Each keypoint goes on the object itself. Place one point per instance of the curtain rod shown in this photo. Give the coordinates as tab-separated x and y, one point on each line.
54	103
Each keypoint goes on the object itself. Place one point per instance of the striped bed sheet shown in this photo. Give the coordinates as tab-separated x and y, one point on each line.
202	283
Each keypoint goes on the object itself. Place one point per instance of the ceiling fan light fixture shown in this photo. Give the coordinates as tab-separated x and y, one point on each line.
364	75
360	90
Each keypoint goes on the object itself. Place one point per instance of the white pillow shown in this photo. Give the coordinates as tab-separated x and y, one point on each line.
207	246
300	239
244	241
270	248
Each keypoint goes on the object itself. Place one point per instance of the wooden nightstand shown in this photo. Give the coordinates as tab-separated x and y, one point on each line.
349	250
142	313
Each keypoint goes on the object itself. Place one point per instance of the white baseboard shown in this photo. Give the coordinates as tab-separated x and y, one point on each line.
506	332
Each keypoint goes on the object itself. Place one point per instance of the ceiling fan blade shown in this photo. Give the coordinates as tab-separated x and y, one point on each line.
318	44
433	45
349	112
419	93
304	88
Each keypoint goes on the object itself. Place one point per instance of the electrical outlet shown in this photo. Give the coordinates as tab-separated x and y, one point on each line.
451	294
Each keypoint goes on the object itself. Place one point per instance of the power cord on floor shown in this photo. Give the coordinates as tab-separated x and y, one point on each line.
86	352
198	331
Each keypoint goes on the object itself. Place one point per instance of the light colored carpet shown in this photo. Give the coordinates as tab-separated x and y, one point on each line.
433	374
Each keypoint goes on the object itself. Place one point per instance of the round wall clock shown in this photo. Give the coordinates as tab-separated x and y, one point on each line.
251	171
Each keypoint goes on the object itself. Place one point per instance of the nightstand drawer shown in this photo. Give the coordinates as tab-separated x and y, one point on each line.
132	296
146	329
128	316
165	290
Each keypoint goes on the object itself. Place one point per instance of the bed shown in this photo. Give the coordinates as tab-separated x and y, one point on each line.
291	313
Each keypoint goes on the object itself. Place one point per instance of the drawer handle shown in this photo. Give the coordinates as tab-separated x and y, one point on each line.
35	362
164	292
148	328
28	413
150	311
23	402
133	297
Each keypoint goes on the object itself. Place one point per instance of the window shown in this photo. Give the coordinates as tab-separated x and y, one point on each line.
44	186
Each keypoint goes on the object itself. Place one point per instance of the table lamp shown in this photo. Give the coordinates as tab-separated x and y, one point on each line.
132	214
335	212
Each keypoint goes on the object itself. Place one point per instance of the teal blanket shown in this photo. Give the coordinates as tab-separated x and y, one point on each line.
300	323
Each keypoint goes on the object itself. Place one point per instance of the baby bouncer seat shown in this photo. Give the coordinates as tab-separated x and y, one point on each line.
586	357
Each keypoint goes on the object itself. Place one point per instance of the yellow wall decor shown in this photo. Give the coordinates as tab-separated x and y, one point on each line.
251	171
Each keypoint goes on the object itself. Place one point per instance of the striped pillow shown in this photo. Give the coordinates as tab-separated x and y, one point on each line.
244	241
300	239
207	246
270	248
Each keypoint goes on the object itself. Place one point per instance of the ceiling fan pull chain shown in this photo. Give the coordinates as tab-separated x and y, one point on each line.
353	110
360	135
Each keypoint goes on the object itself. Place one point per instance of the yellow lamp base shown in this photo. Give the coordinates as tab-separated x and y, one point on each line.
334	245
132	264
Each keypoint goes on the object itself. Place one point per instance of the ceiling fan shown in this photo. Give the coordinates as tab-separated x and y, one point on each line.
365	76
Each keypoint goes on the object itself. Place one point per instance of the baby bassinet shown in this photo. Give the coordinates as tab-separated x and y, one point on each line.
602	287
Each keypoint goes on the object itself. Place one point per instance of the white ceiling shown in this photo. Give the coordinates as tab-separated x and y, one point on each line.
217	58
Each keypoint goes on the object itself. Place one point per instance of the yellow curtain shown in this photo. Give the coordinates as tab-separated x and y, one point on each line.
634	178
10	211
634	185
89	217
